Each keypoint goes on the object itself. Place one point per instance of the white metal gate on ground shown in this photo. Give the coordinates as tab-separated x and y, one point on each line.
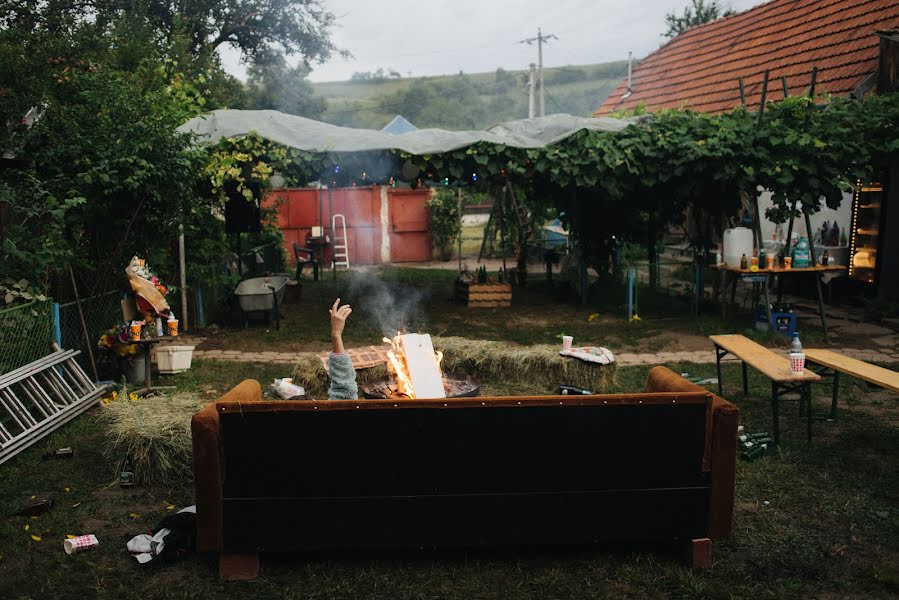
40	397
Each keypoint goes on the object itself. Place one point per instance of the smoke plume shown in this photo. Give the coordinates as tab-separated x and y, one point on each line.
391	306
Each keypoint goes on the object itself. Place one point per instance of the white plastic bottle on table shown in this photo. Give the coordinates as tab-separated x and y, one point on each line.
795	345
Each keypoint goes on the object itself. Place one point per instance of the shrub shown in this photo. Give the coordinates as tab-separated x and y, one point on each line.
446	221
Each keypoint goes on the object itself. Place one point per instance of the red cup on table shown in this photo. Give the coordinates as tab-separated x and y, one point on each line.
797	362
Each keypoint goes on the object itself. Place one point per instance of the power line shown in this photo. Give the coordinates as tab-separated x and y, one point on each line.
540	39
556	103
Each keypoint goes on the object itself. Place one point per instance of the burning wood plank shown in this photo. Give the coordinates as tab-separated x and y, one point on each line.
423	366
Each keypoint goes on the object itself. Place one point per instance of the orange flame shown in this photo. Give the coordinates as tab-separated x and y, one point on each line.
397	366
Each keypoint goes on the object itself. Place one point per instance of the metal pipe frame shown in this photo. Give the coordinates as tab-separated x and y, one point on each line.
777	390
834	376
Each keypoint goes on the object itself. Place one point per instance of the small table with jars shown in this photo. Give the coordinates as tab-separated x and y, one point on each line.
731	274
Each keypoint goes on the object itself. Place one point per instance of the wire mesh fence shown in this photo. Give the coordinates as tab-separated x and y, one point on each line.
26	332
101	313
267	258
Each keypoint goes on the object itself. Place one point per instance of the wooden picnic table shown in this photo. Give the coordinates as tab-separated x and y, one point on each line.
762	275
773	366
833	364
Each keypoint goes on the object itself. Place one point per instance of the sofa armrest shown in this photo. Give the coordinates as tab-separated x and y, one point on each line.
723	454
725	417
208	464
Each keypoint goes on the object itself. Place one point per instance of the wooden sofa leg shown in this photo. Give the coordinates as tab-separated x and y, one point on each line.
238	567
700	554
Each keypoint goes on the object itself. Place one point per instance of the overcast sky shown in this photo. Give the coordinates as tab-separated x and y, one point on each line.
438	37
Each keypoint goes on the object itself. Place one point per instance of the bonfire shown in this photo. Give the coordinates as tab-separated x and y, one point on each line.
413	364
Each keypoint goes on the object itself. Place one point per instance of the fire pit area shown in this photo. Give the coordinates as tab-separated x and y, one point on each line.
456	386
469	368
413	371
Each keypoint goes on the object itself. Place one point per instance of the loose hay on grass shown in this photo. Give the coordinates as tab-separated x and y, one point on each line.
155	432
539	369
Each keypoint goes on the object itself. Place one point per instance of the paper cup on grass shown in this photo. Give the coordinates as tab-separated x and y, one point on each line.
567	340
797	362
173	327
80	543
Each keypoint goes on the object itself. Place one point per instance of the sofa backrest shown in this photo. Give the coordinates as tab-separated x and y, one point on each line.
336	449
389	460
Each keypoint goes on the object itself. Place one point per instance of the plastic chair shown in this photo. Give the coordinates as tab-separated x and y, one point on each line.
305	256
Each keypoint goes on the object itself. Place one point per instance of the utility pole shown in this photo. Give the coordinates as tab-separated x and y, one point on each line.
540	39
531	83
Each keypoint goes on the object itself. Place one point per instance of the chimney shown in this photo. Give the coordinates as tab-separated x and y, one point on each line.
627	93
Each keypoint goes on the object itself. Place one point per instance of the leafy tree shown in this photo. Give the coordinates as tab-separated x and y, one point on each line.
369	76
697	13
631	184
189	32
104	175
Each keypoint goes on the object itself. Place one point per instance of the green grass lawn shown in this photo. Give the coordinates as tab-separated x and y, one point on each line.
421	300
810	521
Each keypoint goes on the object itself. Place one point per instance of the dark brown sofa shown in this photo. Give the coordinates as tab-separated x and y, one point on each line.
336	474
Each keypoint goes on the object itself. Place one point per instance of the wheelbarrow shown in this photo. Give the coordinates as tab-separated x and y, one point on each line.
261	295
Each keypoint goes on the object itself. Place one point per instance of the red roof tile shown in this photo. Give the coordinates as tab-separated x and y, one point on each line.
700	68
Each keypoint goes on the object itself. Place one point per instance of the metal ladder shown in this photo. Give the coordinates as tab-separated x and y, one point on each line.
341	253
40	397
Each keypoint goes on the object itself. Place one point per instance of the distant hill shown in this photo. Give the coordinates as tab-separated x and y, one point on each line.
464	101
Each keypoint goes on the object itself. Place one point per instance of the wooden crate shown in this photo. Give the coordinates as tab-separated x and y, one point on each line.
484	295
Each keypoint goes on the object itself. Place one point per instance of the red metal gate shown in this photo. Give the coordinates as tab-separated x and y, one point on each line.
406	221
410	237
299	210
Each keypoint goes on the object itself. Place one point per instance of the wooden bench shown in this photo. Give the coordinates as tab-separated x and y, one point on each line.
832	364
773	366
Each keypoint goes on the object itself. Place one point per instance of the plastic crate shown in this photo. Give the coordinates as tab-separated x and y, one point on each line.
783	323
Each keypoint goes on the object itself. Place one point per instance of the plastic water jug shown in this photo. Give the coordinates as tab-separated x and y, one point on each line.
737	242
801	256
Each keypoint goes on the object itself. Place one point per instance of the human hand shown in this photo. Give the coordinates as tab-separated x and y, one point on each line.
339	316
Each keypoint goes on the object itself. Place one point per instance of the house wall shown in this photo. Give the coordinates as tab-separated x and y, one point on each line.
842	215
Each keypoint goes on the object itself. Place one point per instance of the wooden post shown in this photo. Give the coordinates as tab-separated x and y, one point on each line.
811	245
459	203
182	263
780	283
502	226
764	97
700	554
238	567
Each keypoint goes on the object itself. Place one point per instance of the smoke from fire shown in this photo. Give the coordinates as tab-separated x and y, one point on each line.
391	306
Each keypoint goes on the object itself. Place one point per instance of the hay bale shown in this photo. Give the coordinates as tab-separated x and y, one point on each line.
311	374
155	432
538	368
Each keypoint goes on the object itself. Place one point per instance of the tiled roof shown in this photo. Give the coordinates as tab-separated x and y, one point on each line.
700	68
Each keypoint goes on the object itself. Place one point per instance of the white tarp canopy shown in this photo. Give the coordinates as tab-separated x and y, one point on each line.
315	136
